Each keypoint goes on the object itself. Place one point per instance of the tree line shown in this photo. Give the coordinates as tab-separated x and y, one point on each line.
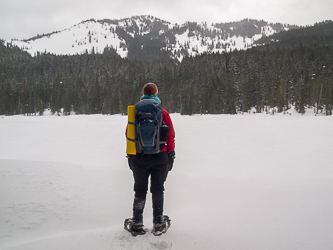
263	77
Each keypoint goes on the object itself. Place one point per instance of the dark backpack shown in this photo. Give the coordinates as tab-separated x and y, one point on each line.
150	131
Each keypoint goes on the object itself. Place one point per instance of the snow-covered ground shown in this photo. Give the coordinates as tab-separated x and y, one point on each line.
239	182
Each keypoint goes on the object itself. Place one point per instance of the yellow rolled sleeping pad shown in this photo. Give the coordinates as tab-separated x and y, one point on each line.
130	145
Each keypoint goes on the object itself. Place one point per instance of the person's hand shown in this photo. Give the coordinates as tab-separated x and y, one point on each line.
130	160
171	156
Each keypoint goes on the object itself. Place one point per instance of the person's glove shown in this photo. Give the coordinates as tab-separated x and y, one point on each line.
130	160
171	156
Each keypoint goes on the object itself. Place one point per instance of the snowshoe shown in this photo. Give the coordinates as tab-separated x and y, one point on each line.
133	229
161	228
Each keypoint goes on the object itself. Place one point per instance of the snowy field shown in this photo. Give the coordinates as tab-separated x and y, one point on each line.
252	182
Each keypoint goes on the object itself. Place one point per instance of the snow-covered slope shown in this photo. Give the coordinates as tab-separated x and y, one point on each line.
247	182
81	38
139	31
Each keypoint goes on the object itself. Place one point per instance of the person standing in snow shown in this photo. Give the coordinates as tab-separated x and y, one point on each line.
156	166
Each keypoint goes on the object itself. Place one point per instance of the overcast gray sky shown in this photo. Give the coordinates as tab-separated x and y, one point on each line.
23	19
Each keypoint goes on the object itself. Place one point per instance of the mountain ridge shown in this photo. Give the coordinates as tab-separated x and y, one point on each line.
149	38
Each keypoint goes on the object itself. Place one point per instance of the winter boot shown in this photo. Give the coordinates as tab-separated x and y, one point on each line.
137	226
160	225
134	227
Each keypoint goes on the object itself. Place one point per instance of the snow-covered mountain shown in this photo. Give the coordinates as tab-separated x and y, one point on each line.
147	37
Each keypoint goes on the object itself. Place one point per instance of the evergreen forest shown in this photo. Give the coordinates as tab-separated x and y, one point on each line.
276	75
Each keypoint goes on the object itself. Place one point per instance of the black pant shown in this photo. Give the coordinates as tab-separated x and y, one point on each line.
143	166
